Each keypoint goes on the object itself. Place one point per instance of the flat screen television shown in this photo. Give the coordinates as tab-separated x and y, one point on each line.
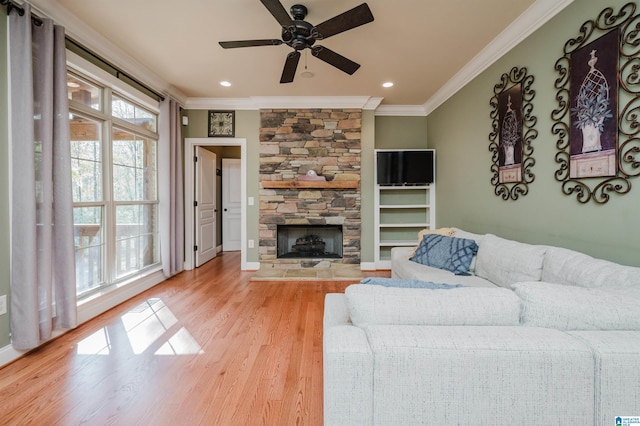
405	167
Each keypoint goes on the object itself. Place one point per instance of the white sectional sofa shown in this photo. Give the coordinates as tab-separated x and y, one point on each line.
536	335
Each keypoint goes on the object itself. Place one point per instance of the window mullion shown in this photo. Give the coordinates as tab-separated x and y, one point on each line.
110	225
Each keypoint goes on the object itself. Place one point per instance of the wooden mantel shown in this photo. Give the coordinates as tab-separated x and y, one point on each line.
306	184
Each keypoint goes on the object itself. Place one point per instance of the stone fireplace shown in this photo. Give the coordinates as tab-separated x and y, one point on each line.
292	143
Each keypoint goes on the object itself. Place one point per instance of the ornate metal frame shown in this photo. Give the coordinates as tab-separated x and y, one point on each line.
513	190
599	189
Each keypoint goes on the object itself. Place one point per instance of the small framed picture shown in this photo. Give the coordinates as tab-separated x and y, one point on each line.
222	124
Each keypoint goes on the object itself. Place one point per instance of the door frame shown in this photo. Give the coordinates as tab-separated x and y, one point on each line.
189	188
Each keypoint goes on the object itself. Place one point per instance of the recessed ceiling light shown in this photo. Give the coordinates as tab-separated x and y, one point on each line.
387	84
225	83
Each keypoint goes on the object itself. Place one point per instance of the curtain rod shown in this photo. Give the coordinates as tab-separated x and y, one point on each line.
10	5
118	71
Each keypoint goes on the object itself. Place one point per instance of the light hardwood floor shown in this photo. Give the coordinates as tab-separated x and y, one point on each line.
207	347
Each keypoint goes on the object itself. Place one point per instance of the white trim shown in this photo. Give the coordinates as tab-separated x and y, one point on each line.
533	18
189	151
90	38
294	102
97	304
367	266
253	266
85	68
401	111
116	294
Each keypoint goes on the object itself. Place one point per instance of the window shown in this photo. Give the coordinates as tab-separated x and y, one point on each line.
114	148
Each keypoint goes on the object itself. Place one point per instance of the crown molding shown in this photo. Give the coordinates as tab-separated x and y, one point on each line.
401	111
282	102
533	18
87	36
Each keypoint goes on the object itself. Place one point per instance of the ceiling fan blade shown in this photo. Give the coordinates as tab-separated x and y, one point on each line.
279	12
249	43
355	17
335	59
290	66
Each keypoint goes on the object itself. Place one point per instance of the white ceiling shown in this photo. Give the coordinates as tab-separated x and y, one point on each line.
417	44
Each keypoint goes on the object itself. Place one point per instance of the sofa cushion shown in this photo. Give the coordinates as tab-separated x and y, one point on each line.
479	376
617	372
570	267
505	262
459	233
438	231
402	267
565	307
371	304
449	253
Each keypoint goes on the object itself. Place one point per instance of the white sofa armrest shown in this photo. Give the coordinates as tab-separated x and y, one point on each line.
336	311
348	376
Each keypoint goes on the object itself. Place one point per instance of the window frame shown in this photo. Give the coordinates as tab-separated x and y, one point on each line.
110	86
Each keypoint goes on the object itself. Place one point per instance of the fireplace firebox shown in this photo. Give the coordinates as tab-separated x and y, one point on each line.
309	241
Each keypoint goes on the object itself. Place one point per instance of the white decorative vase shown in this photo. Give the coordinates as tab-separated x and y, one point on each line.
508	155
591	138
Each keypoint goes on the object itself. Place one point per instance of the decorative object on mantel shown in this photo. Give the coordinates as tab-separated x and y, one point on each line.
512	133
598	94
312	176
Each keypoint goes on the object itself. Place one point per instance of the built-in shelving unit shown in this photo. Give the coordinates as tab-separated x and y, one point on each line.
400	213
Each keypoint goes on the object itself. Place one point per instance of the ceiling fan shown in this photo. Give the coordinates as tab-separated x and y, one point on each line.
299	34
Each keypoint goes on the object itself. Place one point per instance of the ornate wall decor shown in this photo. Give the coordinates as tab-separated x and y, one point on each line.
513	130
598	95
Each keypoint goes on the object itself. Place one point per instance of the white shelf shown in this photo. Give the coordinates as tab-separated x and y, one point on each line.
404	225
400	212
399	243
404	206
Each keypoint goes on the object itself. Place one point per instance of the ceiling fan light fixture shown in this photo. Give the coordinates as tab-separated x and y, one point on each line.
225	83
301	35
387	84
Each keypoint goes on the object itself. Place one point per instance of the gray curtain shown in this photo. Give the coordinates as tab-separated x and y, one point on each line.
171	188
43	286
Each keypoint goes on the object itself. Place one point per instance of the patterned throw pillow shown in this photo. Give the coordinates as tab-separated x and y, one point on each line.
448	253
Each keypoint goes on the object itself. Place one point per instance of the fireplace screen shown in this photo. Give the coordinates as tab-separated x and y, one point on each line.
318	241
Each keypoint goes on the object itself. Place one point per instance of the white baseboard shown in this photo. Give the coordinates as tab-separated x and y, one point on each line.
95	306
8	354
367	266
111	298
251	266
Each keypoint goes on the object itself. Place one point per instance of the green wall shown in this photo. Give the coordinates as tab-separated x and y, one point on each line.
248	127
459	131
401	132
5	259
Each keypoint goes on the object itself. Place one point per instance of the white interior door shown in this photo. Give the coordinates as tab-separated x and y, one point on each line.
205	206
231	204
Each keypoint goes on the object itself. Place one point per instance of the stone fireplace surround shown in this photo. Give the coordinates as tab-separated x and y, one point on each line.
292	142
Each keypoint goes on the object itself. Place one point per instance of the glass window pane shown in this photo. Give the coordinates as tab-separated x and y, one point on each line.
88	242
82	91
136	238
86	159
134	167
134	114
